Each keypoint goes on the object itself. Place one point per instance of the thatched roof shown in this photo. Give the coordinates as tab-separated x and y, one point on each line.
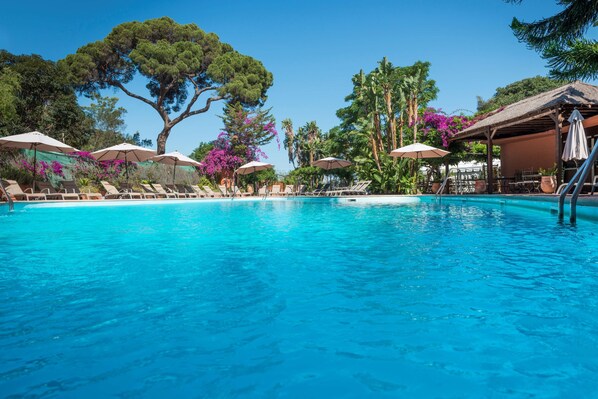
533	114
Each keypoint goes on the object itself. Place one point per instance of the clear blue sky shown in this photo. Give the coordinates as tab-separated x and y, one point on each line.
312	47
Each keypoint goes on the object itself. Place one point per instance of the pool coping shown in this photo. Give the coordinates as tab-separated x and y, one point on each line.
587	206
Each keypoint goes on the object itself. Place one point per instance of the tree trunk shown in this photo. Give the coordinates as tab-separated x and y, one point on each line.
392	130
375	153
162	137
401	125
378	131
415	105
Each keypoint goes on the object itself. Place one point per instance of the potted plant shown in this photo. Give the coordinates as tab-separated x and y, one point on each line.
548	181
435	186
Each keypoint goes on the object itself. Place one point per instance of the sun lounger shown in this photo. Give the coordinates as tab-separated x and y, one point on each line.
240	193
262	191
13	189
149	190
275	190
211	192
358	188
126	187
223	190
198	191
113	193
171	188
161	192
321	189
69	186
301	189
188	191
51	193
288	190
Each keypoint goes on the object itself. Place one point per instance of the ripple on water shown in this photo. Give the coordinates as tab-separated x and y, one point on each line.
297	299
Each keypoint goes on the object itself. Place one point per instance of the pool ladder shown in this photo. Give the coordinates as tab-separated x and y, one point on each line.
11	204
577	181
442	186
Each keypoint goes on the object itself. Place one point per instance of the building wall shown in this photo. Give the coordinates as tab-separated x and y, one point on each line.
528	152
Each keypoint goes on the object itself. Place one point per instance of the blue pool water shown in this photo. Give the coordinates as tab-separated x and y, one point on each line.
297	299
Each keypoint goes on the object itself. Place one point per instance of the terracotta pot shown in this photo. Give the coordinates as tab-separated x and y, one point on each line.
480	186
548	184
435	187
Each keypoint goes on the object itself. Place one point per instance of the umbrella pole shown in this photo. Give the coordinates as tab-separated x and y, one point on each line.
174	172
34	166
126	169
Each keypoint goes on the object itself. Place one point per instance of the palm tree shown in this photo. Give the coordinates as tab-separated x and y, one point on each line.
289	139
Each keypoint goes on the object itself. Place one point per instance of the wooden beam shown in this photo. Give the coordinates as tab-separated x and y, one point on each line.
490	174
498	126
557	117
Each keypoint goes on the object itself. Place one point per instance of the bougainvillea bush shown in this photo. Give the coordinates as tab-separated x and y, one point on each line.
245	132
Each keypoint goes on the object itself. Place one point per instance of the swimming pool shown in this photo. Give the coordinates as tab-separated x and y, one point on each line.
297	299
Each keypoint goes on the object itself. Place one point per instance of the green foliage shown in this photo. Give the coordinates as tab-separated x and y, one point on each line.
248	129
10	85
204	181
179	62
548	171
263	176
560	39
308	175
518	91
201	151
109	125
37	94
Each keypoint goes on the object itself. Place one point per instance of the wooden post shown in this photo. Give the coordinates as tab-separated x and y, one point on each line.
490	174
557	117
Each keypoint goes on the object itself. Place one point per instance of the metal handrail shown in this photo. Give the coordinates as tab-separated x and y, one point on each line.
11	204
442	186
577	181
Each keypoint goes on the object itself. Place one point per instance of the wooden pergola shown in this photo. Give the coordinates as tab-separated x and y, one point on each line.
541	113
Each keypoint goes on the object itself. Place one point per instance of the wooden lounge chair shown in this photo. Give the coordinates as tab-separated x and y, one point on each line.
161	192
69	186
223	190
275	190
126	187
148	189
288	190
173	189
113	193
51	193
263	191
183	188
197	191
301	189
240	193
211	193
13	189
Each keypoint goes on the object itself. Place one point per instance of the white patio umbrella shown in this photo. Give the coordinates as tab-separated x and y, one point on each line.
576	146
251	167
35	141
331	163
177	159
124	152
418	151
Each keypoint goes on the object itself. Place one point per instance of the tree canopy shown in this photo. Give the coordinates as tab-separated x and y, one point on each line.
517	91
36	94
181	64
560	39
